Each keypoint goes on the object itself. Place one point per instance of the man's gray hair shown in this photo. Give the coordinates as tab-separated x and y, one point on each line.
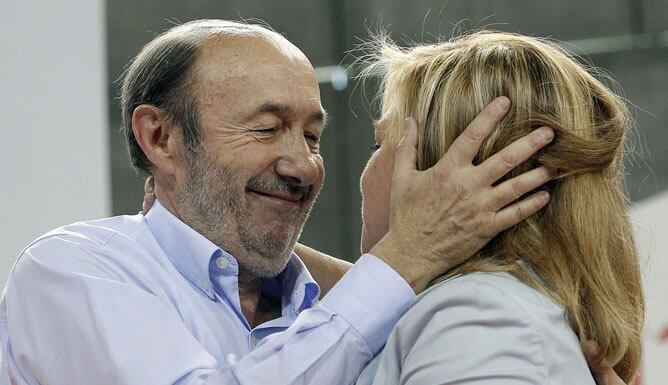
162	75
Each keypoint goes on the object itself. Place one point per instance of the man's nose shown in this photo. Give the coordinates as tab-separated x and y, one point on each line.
297	162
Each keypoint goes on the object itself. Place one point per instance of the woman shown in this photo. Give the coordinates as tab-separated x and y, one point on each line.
520	310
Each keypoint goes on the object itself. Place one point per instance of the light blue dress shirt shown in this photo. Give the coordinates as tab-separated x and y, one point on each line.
148	300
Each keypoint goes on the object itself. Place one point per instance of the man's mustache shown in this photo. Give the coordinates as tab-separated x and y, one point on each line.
271	185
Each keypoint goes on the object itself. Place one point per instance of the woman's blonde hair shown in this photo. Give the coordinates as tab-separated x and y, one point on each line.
581	245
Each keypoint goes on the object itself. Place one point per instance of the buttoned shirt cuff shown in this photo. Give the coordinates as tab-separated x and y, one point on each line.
371	297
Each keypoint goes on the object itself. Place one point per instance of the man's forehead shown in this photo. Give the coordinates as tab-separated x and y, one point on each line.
244	72
258	81
265	46
251	59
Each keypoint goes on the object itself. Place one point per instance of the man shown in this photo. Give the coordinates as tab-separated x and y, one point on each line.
205	289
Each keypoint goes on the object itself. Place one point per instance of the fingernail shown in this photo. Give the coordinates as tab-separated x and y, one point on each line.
546	134
503	103
407	124
545	196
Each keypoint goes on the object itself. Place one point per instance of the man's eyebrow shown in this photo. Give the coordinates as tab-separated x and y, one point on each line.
274	108
280	109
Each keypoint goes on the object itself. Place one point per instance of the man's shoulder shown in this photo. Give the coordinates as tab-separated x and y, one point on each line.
93	232
99	231
79	244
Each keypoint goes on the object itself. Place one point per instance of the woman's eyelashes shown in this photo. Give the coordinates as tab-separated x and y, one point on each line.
374	147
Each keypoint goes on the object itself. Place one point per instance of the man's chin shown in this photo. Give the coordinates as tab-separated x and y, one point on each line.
265	267
267	256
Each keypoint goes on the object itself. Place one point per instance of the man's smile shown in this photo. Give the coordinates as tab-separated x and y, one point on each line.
290	199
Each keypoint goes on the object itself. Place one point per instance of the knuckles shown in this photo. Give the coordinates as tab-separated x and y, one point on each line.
518	213
473	135
463	190
516	189
508	161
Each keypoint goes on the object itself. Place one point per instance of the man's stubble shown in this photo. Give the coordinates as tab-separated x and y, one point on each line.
213	202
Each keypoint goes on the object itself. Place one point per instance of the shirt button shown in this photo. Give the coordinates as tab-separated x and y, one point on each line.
231	359
221	262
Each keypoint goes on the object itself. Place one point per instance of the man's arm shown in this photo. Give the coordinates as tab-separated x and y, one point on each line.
72	314
325	269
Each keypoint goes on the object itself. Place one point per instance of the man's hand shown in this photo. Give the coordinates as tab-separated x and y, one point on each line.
441	216
603	372
149	195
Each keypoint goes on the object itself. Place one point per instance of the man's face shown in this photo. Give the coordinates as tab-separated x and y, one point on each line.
251	185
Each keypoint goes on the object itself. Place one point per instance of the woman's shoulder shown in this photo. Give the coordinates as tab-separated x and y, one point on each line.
492	292
490	322
501	302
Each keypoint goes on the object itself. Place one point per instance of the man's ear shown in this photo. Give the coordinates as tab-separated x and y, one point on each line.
157	137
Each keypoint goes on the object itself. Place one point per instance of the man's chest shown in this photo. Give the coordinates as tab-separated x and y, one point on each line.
219	324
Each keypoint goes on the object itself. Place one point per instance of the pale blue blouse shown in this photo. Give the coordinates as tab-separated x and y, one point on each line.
481	329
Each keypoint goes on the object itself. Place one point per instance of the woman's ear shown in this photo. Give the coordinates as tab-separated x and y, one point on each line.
157	137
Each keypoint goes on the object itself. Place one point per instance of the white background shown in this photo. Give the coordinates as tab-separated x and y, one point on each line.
651	221
53	119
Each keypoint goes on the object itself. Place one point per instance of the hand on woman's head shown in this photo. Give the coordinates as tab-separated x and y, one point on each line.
443	215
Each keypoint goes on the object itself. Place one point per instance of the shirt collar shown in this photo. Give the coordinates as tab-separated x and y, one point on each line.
193	254
189	251
294	286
